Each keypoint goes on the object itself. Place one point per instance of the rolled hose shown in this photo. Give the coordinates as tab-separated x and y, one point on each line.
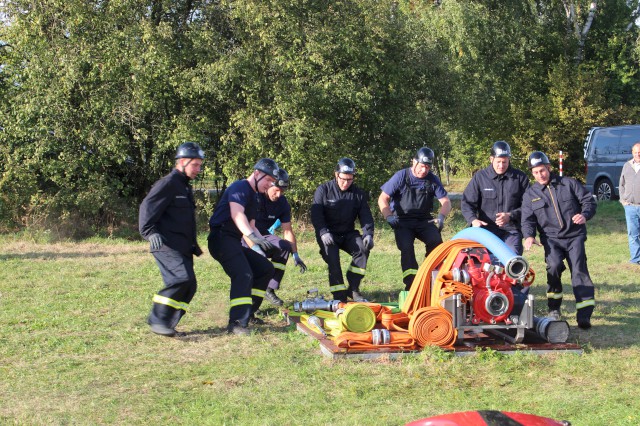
431	326
358	318
516	267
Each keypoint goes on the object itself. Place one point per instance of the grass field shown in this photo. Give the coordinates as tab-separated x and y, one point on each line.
75	348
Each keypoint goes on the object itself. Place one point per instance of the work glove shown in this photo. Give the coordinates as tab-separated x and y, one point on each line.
367	241
276	225
156	241
264	244
393	221
258	250
196	250
327	239
439	222
298	262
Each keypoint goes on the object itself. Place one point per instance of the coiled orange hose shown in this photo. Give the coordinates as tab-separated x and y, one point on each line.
431	326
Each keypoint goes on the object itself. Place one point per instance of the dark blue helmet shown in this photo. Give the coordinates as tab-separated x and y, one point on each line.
268	166
501	149
282	179
346	165
425	155
537	158
190	150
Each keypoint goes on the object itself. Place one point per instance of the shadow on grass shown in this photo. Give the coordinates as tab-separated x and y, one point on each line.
274	323
53	255
207	333
383	296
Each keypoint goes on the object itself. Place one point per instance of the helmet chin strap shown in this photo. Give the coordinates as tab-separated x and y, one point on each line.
184	167
257	181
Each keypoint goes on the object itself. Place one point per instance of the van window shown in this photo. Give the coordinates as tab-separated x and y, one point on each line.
606	151
629	138
606	147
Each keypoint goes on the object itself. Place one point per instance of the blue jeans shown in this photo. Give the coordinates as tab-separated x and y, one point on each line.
632	214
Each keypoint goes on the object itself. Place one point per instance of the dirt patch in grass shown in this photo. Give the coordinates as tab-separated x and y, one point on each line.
27	250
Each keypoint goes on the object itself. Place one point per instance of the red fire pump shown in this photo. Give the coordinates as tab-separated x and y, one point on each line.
497	301
492	299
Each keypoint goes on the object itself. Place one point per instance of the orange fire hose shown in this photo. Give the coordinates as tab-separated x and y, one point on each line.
420	294
431	326
364	341
429	323
395	322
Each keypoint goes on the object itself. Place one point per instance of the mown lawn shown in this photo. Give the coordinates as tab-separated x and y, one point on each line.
75	348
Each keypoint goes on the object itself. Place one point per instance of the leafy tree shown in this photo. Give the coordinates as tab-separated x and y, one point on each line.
96	95
96	102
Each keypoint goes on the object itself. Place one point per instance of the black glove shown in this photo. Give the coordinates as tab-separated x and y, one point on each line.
196	250
327	239
393	221
156	241
367	241
298	262
262	242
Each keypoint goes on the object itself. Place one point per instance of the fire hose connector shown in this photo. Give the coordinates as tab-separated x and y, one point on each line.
460	275
315	303
496	304
380	336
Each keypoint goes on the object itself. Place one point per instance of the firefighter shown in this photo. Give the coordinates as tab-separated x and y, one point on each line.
273	206
336	205
559	207
493	197
406	202
234	218
167	220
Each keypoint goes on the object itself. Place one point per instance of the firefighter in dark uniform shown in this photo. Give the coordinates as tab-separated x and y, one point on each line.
558	207
234	219
406	202
273	206
493	197
167	220
336	205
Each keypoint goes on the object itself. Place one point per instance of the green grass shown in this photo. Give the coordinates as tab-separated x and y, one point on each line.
75	348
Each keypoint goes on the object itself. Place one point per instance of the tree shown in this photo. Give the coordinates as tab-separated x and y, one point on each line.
96	95
97	100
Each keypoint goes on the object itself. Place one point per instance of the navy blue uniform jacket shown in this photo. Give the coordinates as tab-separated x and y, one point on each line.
169	209
489	194
539	212
336	211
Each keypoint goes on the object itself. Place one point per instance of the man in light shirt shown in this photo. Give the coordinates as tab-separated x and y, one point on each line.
630	198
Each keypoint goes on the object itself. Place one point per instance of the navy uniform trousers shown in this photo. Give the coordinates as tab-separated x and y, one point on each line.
172	302
249	272
279	257
351	243
406	233
556	250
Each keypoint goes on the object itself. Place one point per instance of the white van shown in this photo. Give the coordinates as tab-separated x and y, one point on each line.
606	149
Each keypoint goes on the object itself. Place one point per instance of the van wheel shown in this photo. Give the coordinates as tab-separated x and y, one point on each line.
604	190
